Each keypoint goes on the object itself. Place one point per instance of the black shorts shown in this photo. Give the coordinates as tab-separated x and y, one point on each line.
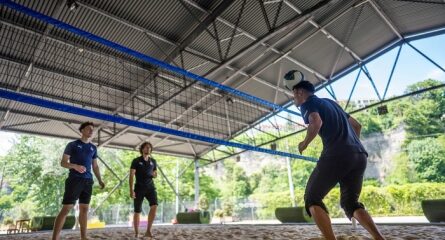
77	188
348	170
148	192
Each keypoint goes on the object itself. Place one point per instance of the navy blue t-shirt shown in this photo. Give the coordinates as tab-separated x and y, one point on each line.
81	154
144	171
336	132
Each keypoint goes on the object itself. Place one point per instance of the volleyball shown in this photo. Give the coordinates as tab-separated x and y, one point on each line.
292	78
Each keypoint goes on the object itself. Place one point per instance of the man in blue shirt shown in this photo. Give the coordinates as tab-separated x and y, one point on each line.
79	157
343	159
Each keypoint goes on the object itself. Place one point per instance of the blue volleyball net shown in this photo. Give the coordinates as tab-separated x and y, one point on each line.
69	70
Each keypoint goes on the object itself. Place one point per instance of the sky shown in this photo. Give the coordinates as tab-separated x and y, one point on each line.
411	68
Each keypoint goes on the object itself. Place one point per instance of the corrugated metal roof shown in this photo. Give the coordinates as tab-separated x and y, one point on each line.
103	79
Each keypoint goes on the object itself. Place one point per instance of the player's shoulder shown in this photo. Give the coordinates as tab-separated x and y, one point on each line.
72	143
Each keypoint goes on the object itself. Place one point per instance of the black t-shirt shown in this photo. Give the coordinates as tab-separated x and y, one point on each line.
336	132
144	171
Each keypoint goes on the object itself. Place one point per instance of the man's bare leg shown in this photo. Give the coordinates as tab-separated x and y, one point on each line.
60	220
83	219
366	221
136	219
151	218
323	221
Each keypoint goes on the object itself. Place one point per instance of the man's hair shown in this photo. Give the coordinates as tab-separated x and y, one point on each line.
306	85
143	146
85	124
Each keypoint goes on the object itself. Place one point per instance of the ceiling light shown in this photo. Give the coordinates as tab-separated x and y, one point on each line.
72	5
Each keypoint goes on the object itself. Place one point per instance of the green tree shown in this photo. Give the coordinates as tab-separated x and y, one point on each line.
235	182
403	171
428	156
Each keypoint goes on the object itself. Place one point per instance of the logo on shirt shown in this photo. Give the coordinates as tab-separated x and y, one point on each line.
140	163
91	148
79	146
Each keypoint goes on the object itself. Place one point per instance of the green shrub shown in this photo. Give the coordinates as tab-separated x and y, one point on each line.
392	200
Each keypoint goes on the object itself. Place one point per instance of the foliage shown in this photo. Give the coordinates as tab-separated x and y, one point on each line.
34	174
235	182
227	208
428	156
203	203
392	200
219	213
8	221
403	171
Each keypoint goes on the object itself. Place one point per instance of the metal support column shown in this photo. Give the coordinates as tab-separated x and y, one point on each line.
289	176
392	71
177	186
196	182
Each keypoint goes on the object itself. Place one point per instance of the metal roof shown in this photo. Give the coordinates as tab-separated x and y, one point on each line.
332	39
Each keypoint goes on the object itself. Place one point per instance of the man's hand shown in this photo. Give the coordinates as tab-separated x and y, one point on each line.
132	194
101	184
302	146
79	168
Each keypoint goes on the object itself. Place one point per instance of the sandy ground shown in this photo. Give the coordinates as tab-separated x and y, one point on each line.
235	232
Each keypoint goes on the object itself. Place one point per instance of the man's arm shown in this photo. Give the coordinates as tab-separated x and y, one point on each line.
355	125
97	173
66	164
313	128
131	177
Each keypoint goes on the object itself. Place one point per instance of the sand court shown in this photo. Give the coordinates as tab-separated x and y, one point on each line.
243	232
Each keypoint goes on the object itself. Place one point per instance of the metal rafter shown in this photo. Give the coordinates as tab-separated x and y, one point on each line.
325	32
188	49
36	54
283	27
254	38
293	48
386	19
189	39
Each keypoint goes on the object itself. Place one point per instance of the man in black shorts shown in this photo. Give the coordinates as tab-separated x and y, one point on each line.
343	159
79	157
145	169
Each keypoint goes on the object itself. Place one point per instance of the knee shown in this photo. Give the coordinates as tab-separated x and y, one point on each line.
311	202
83	209
350	207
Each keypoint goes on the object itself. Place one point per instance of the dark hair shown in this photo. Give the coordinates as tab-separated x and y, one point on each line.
143	146
306	85
85	124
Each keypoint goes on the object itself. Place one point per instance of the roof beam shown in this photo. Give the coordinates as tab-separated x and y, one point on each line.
325	32
254	38
386	19
199	29
36	54
189	39
250	47
187	49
